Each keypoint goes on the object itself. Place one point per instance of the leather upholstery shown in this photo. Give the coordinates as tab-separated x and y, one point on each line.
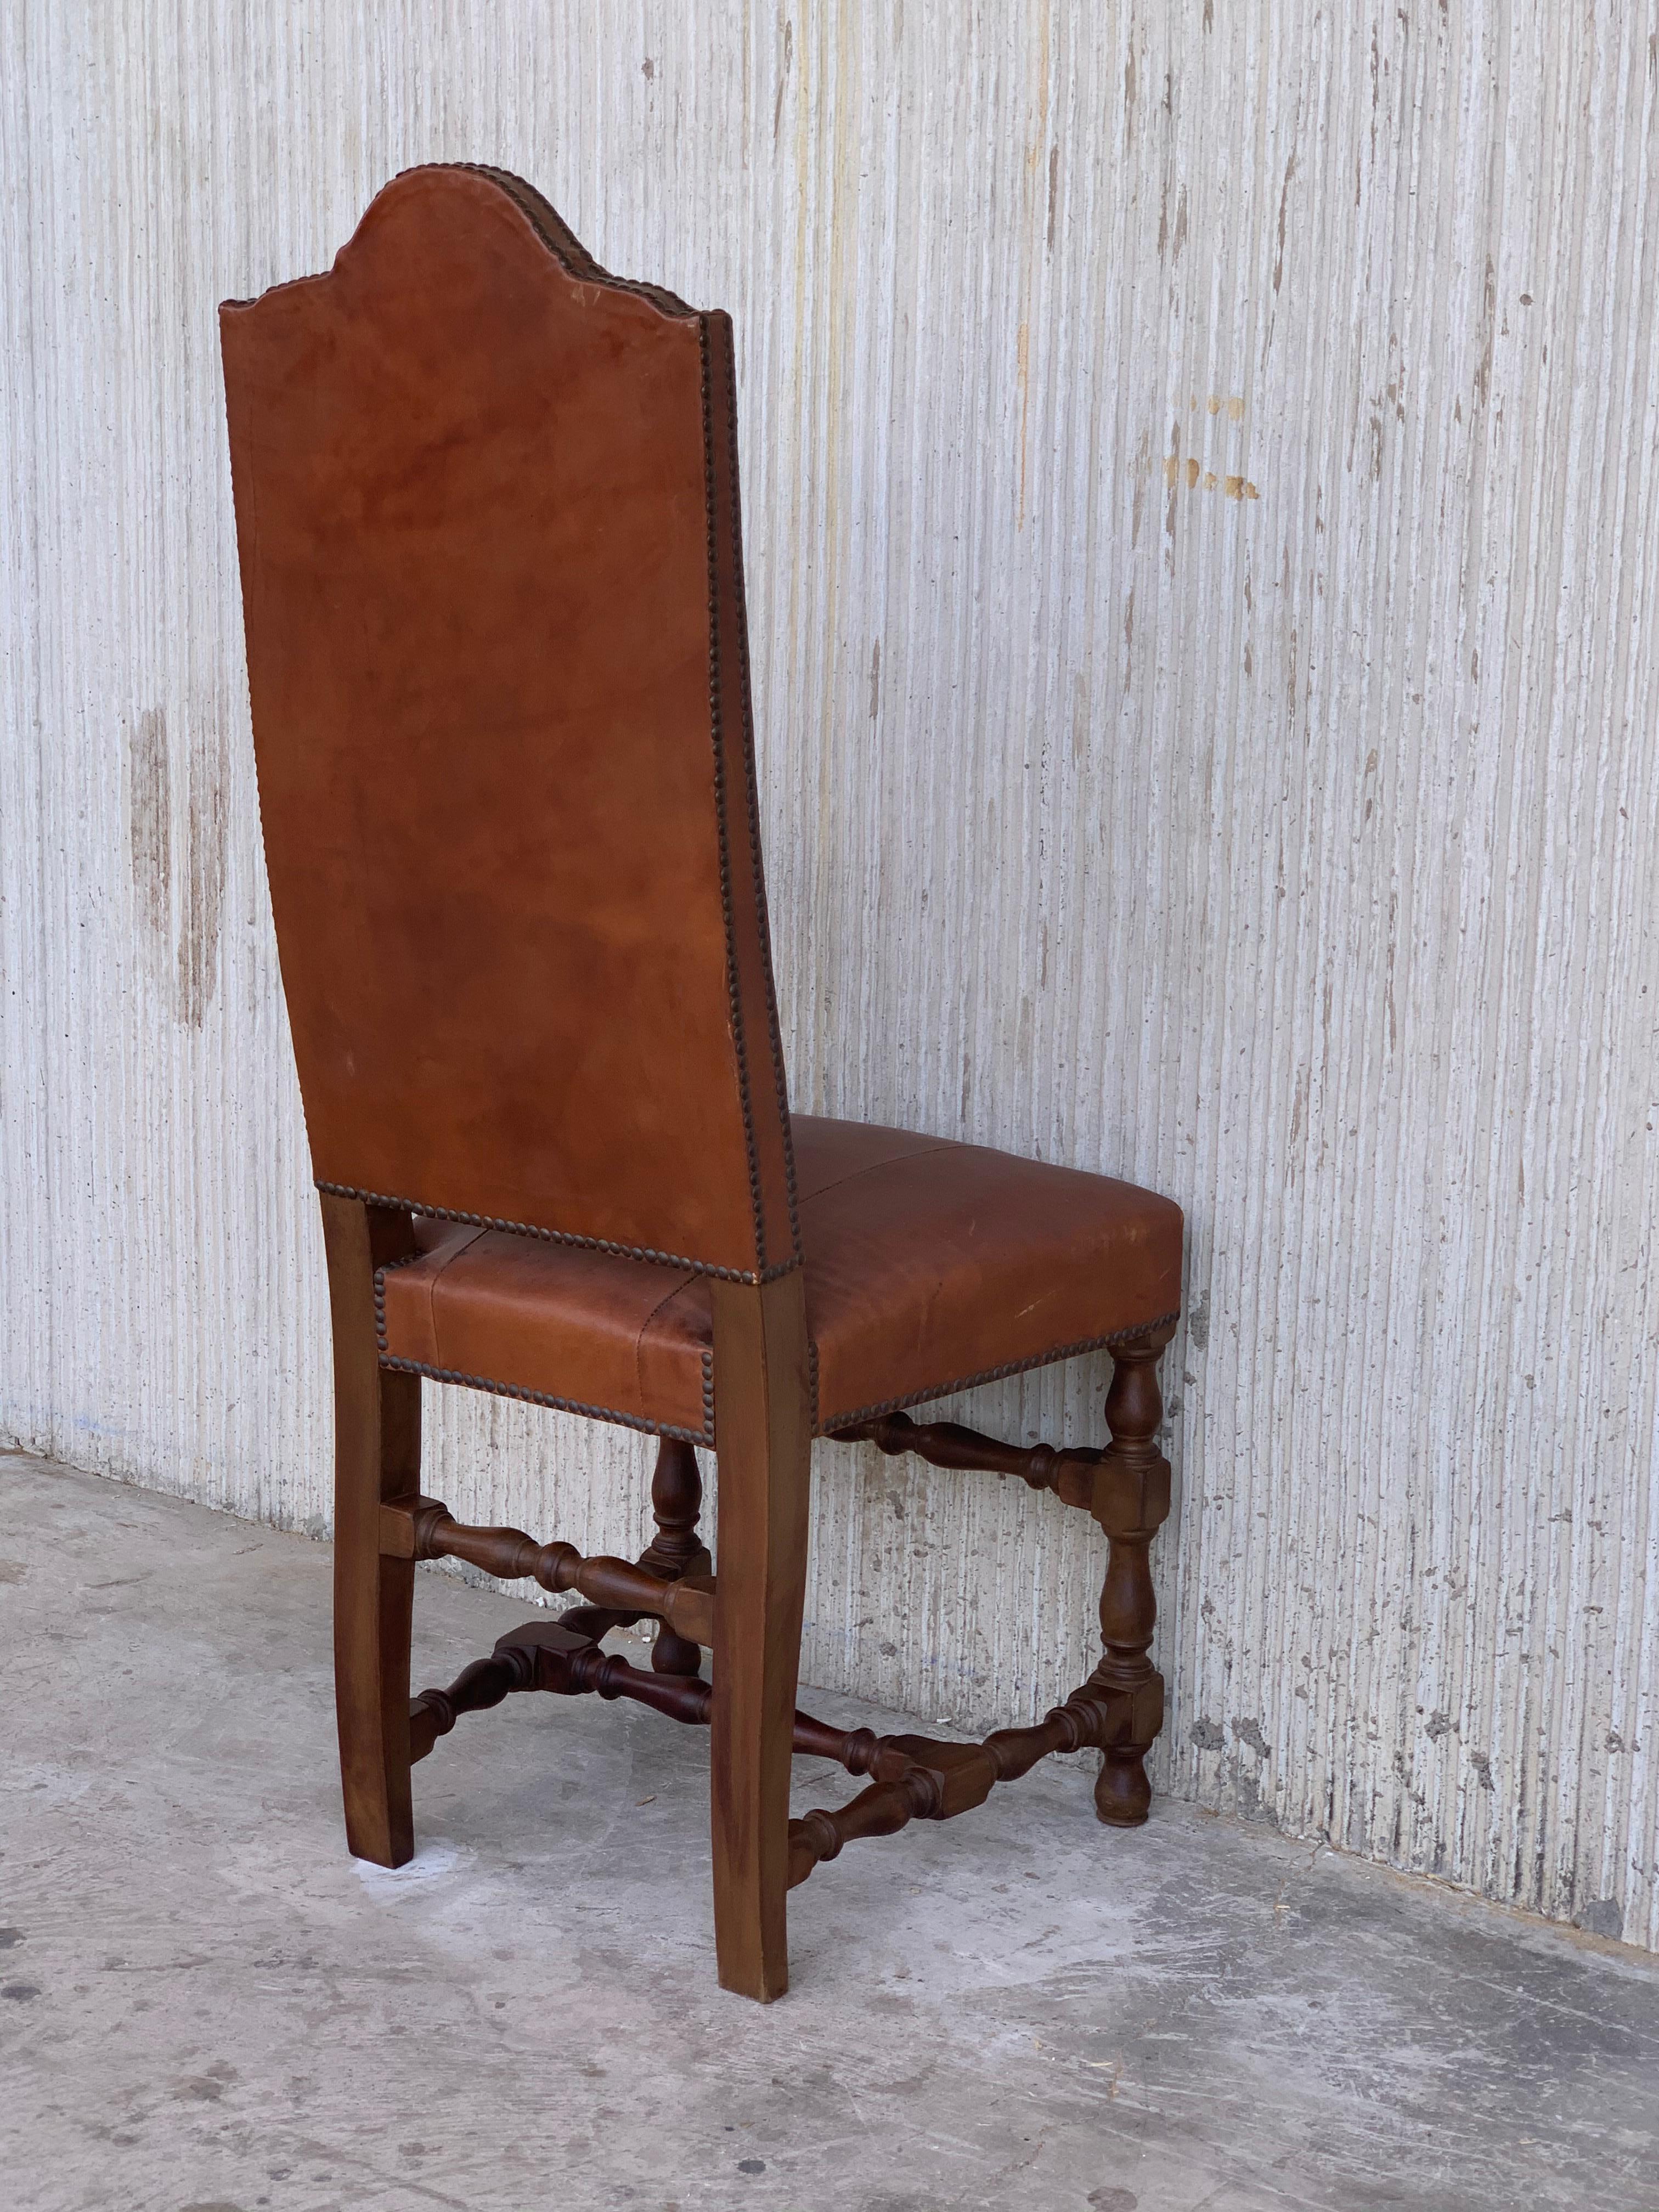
929	1265
487	508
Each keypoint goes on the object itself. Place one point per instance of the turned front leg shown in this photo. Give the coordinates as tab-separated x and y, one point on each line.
1131	1503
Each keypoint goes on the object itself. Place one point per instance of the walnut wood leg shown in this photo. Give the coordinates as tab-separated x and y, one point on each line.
676	1549
377	1456
763	1416
1131	1502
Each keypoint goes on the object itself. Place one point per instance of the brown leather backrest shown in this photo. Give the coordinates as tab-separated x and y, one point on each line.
487	507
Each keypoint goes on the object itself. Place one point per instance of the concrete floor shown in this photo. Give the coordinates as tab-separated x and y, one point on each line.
209	2008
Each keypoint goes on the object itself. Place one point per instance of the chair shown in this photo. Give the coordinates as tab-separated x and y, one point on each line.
487	512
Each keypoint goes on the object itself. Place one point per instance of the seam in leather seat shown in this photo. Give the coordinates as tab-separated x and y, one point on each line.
667	1298
869	1167
542	1398
462	1244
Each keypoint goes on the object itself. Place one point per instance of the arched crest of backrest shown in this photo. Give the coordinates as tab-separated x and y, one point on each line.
487	509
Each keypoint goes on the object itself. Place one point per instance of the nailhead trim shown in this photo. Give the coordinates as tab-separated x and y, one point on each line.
576	261
752	793
996	1373
381	1274
820	1427
540	1398
558	1406
388	1358
567	249
559	1237
716	720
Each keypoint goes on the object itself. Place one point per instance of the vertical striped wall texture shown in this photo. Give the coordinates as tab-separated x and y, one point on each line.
1203	516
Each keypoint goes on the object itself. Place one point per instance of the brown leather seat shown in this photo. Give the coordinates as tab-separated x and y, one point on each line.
929	1266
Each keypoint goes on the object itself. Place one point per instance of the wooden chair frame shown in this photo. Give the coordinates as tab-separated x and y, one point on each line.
749	1616
492	561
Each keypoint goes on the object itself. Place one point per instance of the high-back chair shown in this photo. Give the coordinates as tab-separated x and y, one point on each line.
492	574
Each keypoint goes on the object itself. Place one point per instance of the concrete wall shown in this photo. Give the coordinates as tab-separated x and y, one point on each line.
1202	481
